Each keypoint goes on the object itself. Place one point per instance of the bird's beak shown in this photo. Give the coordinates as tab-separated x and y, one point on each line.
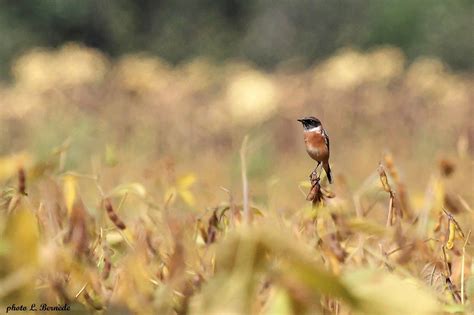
300	120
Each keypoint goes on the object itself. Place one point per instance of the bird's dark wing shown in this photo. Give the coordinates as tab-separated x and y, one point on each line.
326	138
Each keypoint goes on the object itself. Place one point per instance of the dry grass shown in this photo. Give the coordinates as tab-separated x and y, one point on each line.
123	190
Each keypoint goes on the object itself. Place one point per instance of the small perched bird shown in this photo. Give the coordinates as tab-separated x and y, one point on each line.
317	143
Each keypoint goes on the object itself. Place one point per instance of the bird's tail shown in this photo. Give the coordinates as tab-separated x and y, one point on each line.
327	169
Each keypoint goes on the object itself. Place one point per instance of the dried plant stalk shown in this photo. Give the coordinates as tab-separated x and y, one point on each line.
245	185
462	265
384	179
386	186
402	195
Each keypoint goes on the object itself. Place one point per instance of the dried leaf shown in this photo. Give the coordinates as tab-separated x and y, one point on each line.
22	236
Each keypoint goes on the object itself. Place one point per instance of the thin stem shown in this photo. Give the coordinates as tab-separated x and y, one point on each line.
462	265
245	187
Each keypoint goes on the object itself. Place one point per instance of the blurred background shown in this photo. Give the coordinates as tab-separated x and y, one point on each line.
148	86
264	32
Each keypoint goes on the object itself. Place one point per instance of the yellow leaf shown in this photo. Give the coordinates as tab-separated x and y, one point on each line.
21	235
386	293
188	197
186	181
279	303
19	264
70	191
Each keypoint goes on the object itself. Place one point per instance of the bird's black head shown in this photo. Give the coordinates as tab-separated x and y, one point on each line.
310	122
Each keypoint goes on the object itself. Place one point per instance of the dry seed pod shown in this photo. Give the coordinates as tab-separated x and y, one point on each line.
107	264
202	231
391	212
335	247
447	167
315	194
58	286
388	158
163	273
451	234
22	181
457	227
383	179
149	243
107	268
176	263
212	228
453	290
77	234
113	215
94	303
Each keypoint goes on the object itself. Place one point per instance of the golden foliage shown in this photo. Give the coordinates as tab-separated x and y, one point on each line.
141	210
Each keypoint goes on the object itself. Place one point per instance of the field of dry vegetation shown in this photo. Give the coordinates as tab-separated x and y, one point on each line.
121	186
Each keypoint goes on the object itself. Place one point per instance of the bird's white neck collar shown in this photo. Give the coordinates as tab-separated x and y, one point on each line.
314	129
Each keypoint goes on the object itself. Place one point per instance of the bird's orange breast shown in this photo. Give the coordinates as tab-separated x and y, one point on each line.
316	145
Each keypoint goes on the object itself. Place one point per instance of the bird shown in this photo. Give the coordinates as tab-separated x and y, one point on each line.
317	143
